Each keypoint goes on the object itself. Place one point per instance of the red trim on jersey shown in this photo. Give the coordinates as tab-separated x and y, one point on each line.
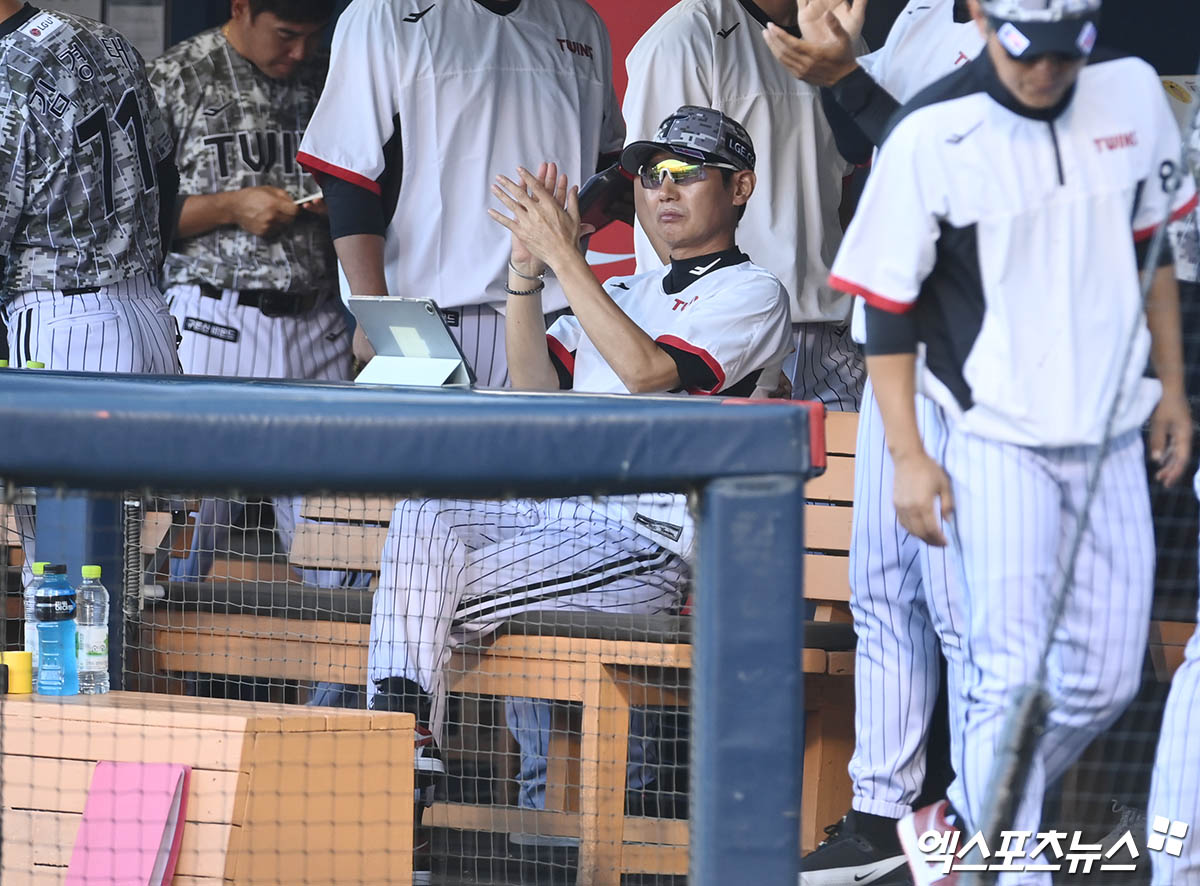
315	164
559	350
816	426
709	360
874	299
1147	233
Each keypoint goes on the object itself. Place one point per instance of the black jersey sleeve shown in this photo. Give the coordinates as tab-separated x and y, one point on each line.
352	208
868	108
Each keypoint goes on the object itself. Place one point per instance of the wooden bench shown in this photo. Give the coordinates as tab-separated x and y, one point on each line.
277	794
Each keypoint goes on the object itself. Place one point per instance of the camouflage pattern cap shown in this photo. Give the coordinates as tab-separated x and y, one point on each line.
701	133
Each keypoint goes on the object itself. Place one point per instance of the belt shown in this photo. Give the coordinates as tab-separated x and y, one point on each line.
81	290
271	302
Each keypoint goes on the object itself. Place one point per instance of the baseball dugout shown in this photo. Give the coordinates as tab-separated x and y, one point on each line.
561	732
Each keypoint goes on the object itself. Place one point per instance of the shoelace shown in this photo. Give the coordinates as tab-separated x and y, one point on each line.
832	831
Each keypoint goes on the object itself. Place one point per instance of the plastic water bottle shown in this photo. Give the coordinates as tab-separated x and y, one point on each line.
31	633
57	671
91	633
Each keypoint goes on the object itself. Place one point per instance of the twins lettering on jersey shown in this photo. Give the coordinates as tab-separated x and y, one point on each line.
257	151
1116	142
575	47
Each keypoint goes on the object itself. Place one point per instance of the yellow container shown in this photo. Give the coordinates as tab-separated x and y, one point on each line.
20	671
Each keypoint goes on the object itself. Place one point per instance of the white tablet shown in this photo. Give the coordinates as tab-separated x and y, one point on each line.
413	345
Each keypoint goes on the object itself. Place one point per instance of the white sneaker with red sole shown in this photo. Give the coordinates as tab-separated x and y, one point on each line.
930	838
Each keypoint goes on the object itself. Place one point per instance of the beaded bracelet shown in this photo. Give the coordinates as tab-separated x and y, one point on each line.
533	291
513	268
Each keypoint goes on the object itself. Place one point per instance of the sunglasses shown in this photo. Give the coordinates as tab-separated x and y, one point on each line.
680	171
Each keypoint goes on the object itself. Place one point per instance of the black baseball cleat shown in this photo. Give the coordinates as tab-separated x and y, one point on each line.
404	696
859	850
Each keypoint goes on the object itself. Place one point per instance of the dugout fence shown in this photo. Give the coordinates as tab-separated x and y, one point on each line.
618	702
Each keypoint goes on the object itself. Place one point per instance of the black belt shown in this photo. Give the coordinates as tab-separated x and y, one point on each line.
81	290
271	302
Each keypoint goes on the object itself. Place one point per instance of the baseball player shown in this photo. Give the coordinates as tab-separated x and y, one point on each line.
710	52
1175	786
86	182
251	274
710	323
891	572
425	102
1005	193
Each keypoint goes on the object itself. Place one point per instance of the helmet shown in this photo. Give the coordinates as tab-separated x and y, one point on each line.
1028	28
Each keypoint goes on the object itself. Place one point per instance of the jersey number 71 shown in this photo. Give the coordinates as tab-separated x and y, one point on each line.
96	125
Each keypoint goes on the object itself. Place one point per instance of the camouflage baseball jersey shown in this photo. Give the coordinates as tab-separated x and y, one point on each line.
80	136
235	127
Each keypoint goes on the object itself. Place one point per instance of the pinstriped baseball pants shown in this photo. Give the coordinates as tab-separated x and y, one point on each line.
454	570
1175	787
896	663
223	338
1016	512
125	327
827	366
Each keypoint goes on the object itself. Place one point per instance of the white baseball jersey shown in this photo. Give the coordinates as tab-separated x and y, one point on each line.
951	197
712	53
426	102
924	44
721	330
728	323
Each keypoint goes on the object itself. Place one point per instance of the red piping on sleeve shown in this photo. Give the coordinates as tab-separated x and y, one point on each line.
874	299
709	360
565	357
315	164
1146	233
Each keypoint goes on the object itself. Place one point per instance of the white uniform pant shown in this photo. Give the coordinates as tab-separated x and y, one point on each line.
827	366
896	669
479	330
221	337
224	338
1016	511
1175	787
125	327
453	570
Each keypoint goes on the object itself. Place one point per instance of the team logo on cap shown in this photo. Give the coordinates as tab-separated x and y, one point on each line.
1087	38
1014	41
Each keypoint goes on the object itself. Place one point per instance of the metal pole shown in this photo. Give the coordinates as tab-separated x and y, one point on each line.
748	707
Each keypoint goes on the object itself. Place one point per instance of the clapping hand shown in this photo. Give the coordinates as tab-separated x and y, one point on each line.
824	53
545	223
